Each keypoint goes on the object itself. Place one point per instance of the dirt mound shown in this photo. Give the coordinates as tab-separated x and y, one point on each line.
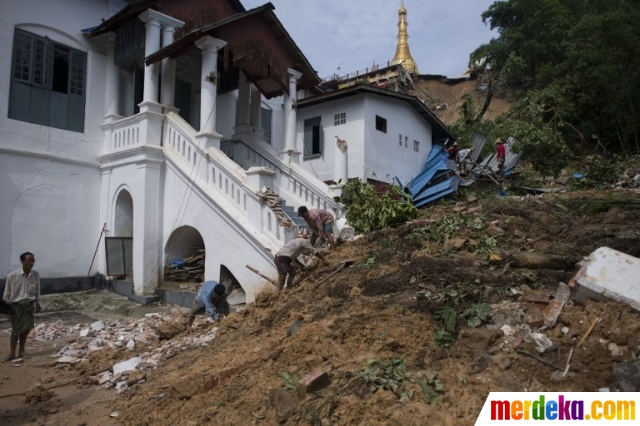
454	95
371	329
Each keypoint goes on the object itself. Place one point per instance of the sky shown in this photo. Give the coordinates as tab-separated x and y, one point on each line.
353	34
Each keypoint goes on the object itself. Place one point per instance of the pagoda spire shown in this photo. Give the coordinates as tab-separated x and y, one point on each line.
403	55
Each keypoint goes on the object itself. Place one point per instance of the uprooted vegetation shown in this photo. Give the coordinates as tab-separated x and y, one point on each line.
418	329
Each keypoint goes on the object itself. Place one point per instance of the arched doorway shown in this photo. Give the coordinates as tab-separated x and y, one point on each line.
237	296
184	257
123	217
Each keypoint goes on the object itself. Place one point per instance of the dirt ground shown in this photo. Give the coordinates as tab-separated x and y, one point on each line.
381	308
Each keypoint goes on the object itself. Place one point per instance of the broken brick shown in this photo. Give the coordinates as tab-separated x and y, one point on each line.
535	296
314	382
554	309
534	317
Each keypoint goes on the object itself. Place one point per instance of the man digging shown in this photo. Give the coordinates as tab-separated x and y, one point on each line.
22	292
212	299
289	253
321	224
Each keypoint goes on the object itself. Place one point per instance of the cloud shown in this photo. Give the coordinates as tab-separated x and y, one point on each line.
353	34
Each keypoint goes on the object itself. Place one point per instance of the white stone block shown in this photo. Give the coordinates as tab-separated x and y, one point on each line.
127	365
97	326
608	274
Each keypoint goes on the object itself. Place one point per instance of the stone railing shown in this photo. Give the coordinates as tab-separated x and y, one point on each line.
293	183
213	171
122	134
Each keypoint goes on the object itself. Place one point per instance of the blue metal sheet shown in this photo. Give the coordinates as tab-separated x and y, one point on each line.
437	159
438	191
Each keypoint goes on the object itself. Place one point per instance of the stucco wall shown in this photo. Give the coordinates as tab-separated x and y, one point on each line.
50	181
352	132
384	157
50	208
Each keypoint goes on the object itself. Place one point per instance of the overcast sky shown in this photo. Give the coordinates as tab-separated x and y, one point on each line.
352	34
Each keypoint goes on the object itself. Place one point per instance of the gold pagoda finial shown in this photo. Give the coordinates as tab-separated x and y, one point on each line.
403	55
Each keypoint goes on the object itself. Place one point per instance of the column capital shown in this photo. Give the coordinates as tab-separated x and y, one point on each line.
153	17
294	75
208	44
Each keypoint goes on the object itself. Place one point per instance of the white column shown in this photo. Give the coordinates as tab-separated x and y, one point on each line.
208	91
112	81
255	117
290	116
340	162
168	88
151	45
244	97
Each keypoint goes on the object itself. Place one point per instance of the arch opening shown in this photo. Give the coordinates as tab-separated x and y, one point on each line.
184	257
237	297
123	217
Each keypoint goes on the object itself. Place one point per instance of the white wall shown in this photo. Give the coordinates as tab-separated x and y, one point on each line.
352	132
50	180
384	157
50	208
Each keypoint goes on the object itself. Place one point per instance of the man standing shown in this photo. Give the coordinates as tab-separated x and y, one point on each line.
22	291
289	253
211	298
320	222
501	154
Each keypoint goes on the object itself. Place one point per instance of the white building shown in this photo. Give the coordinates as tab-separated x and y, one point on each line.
161	124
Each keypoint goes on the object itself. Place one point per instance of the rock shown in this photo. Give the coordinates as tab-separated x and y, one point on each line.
166	330
293	328
480	363
284	402
616	350
458	209
542	342
97	326
67	360
534	317
103	378
502	361
535	296
453	243
472	199
130	327
136	376
127	365
495	231
628	375
314	382
475	209
131	344
560	298
85	332
121	387
479	338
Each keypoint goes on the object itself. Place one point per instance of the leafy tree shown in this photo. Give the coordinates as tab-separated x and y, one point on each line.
573	69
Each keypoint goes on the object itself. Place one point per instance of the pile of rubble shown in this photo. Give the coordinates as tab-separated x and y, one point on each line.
151	339
191	268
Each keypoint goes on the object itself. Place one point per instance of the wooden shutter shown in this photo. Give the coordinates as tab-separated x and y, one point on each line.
77	90
308	135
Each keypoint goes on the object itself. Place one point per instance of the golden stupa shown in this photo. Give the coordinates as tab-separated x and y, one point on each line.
403	55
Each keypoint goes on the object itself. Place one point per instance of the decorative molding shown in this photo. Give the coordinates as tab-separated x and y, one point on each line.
208	43
163	20
50	157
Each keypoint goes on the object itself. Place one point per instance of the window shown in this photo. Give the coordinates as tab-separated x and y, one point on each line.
416	146
313	138
48	82
339	119
400	140
265	122
381	124
406	141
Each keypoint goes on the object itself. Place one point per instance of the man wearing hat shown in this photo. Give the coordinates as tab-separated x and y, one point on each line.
320	222
501	154
211	298
289	253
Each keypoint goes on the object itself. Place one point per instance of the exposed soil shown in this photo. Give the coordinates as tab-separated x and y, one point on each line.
375	310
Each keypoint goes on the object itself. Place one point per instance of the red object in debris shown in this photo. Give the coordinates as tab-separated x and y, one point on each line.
314	382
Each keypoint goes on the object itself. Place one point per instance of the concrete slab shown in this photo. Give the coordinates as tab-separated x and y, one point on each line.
608	274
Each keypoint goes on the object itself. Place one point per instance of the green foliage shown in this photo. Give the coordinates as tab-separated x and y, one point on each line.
577	64
369	211
476	314
449	318
431	389
371	260
444	338
289	380
390	376
449	297
599	171
418	235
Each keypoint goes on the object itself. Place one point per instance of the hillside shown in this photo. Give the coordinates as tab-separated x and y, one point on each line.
371	327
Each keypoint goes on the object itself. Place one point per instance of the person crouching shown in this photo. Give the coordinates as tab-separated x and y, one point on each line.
212	299
289	253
